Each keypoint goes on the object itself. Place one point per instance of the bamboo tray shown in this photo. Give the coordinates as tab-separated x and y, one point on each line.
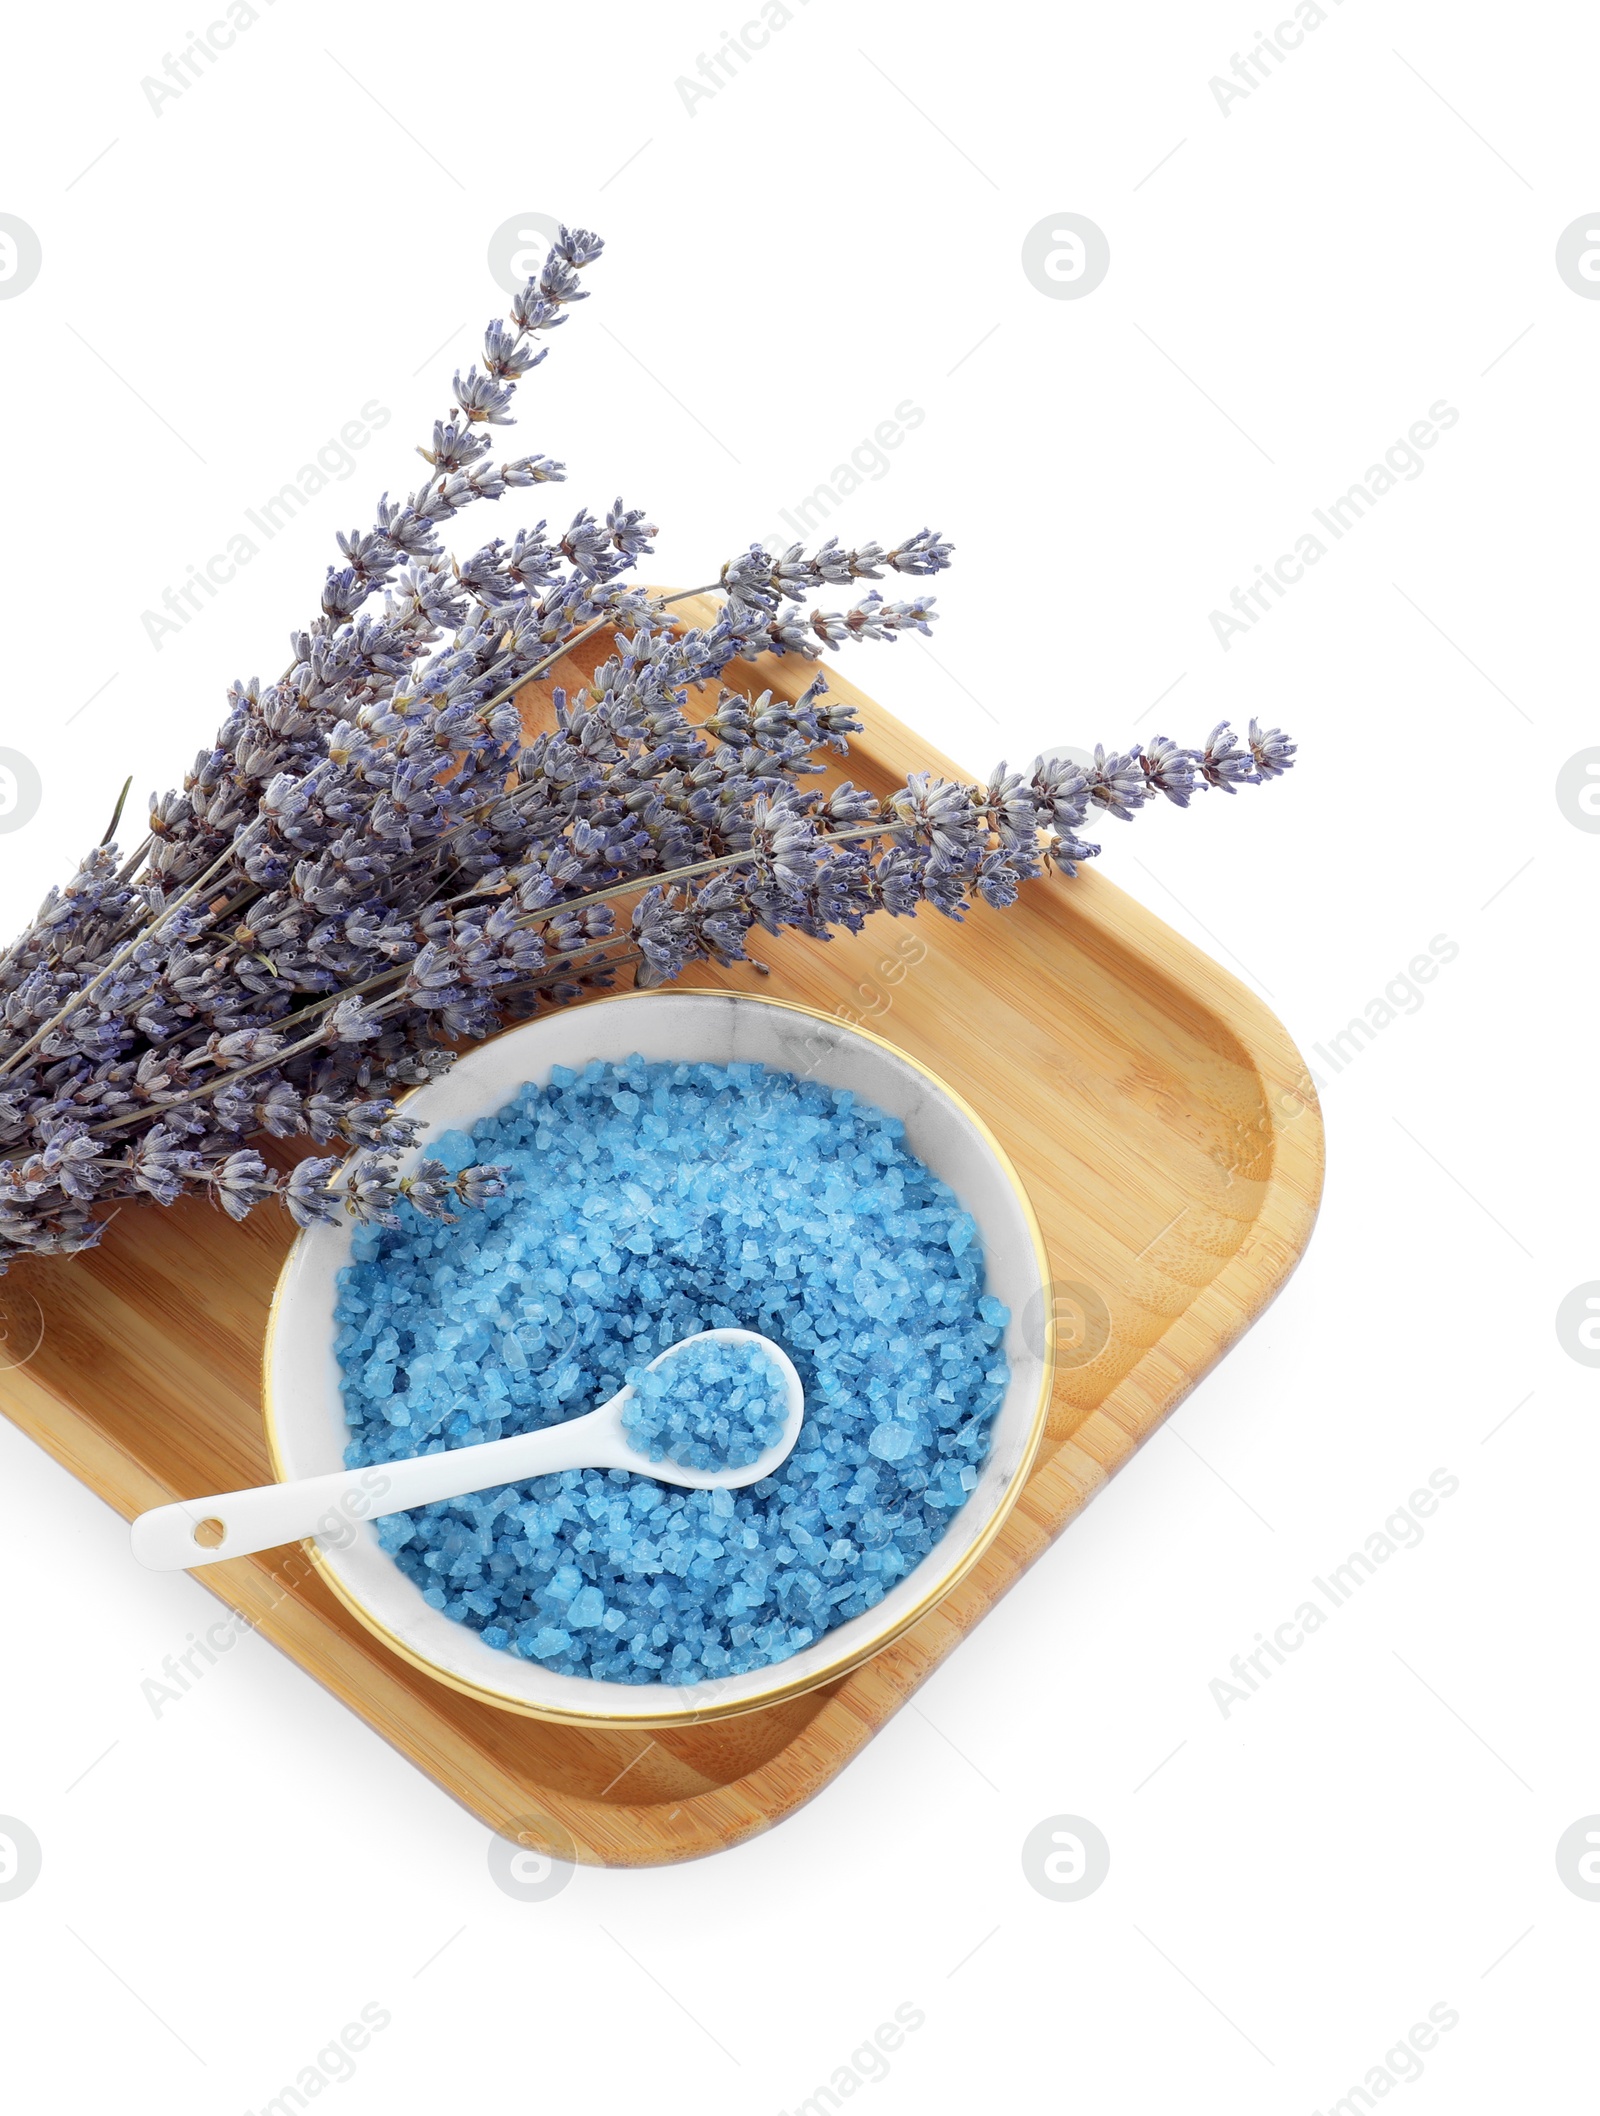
1167	1132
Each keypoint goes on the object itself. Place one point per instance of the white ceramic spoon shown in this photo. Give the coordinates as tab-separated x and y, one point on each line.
232	1524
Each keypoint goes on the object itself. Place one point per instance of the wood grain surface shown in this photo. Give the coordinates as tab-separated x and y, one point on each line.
1168	1135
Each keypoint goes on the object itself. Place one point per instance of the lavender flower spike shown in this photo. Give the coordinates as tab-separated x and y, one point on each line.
1273	751
368	864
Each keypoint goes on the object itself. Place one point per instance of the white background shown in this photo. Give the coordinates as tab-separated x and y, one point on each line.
839	229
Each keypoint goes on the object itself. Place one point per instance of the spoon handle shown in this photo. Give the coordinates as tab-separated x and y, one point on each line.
172	1538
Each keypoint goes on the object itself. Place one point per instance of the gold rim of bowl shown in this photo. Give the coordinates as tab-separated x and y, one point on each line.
779	1690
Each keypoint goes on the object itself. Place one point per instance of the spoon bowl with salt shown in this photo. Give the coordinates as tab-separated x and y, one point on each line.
716	1411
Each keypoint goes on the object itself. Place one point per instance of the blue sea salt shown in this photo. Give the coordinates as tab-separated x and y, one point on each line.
709	1406
646	1203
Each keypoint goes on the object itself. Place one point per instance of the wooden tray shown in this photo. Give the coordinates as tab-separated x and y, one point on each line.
1168	1134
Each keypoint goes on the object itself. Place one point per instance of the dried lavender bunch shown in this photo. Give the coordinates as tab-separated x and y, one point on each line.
368	865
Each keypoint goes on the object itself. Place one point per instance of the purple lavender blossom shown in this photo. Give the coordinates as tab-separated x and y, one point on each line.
368	865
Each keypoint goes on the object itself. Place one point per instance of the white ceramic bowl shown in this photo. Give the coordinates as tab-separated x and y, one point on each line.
305	1421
